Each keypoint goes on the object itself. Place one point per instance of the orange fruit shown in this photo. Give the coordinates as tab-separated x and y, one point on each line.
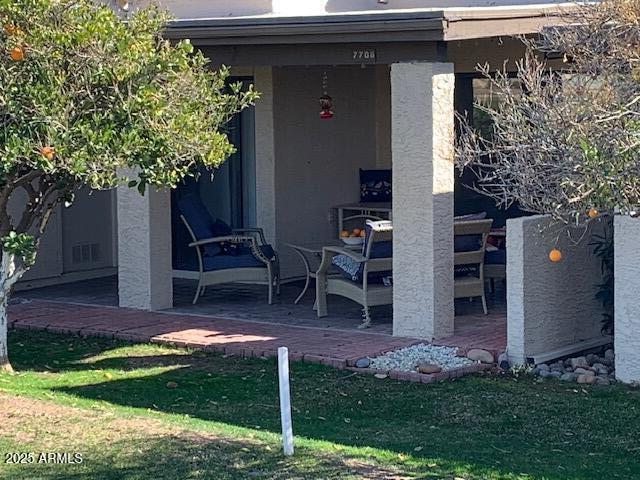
356	232
555	255
363	233
593	213
17	54
48	152
344	233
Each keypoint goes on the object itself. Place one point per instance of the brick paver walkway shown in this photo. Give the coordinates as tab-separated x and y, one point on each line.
337	348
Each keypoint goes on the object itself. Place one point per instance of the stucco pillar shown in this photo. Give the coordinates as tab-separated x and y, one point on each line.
265	153
627	298
144	249
423	178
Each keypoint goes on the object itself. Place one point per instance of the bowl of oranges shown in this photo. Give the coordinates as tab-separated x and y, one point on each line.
353	237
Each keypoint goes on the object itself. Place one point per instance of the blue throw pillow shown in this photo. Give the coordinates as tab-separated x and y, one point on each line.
220	228
375	185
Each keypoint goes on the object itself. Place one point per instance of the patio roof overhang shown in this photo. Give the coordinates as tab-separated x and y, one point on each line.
398	26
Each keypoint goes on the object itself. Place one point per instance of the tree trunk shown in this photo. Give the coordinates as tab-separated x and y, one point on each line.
4	347
10	273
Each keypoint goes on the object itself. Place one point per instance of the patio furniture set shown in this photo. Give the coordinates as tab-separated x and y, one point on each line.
360	272
357	268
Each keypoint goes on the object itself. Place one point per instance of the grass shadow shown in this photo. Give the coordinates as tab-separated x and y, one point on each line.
521	429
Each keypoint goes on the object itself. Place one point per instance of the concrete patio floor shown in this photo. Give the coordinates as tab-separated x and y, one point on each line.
246	305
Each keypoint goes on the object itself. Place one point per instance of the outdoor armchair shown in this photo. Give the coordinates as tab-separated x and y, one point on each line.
470	245
227	255
365	283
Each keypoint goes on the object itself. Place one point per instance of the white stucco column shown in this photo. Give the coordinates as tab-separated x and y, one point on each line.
144	249
265	153
627	304
422	131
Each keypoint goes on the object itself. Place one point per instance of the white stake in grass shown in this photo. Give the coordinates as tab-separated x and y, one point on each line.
285	400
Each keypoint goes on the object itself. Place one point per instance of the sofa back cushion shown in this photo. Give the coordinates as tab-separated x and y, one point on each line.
375	185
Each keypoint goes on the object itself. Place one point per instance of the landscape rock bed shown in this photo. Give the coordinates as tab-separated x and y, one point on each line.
409	358
585	369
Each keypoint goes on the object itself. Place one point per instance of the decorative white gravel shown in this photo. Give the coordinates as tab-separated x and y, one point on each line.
406	359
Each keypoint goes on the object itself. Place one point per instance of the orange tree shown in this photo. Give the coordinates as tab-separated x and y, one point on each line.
567	142
87	99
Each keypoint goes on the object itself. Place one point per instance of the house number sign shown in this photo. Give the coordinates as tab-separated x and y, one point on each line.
365	55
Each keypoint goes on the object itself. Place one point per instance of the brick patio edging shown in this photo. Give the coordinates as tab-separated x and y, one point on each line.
37	322
337	363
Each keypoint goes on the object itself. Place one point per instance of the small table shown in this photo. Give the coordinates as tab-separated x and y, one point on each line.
372	210
312	252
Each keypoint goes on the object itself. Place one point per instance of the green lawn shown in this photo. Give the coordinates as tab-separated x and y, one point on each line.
111	402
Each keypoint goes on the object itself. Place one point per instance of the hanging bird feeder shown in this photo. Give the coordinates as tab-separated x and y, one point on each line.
326	102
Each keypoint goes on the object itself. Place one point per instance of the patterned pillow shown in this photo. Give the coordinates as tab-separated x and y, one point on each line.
375	185
350	267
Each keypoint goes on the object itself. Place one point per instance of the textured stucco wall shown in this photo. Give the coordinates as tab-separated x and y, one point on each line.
144	249
265	153
284	8
423	181
317	161
549	305
627	298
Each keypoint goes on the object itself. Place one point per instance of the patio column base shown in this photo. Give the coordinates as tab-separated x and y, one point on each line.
627	307
423	180
144	249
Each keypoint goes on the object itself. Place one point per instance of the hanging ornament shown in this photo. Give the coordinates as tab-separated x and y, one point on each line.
326	102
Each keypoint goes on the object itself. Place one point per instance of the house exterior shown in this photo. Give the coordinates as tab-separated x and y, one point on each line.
396	71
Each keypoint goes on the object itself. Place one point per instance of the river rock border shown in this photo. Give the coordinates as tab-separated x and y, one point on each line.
585	369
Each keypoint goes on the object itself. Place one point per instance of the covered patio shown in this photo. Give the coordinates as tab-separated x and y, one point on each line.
394	97
397	117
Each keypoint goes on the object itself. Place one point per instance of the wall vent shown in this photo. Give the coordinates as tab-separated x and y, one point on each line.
85	253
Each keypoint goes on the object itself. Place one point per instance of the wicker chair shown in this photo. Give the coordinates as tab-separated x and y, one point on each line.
252	260
472	285
367	292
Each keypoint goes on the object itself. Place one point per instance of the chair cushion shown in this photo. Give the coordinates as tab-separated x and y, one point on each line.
378	249
244	259
496	257
375	185
467	243
201	222
197	215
